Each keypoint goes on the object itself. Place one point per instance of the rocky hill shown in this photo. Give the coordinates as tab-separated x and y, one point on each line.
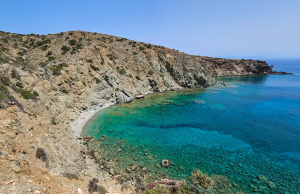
47	80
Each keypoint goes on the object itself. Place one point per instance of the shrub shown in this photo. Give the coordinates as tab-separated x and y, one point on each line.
27	94
51	58
41	154
158	189
20	54
122	71
72	42
102	59
130	76
65	49
134	53
14	74
126	186
83	83
117	89
3	91
69	175
71	33
77	47
137	77
56	69
5	80
98	80
41	43
45	47
49	53
202	178
19	84
150	72
161	75
141	48
93	187
35	93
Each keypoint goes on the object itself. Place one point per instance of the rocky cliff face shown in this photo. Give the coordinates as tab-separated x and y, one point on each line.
51	78
75	71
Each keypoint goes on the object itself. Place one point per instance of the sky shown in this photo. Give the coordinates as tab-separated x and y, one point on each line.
248	29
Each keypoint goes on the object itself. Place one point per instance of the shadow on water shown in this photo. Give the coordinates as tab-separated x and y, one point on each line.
260	79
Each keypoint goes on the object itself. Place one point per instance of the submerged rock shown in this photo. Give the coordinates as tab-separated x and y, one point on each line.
165	163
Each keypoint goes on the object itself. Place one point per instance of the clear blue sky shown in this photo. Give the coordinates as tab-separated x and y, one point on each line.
257	29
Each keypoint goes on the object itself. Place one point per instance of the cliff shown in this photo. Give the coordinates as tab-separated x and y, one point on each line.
51	78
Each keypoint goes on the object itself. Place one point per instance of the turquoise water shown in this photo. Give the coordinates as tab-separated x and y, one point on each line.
248	130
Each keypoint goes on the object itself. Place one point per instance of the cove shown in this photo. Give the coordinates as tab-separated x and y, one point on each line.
247	131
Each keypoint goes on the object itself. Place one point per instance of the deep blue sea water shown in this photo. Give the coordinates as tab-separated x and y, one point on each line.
248	130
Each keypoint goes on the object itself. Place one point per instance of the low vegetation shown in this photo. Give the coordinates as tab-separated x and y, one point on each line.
93	187
150	72
41	154
201	178
56	69
122	71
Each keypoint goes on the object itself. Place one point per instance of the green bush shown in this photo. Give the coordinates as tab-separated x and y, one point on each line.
19	84
41	154
150	72
122	71
137	77
77	47
130	76
49	53
45	47
141	48
20	54
14	74
201	178
41	43
35	93
65	49
5	80
3	91
93	187
27	94
83	83
72	42
102	59
158	189
98	80
51	58
56	69
70	176
161	75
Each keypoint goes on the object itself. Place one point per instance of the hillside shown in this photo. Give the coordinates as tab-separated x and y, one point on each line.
47	80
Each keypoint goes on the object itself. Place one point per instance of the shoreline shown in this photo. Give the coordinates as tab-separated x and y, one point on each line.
79	124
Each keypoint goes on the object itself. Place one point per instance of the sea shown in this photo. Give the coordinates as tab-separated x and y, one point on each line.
245	133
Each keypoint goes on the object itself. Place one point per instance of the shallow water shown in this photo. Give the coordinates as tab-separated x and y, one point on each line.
248	130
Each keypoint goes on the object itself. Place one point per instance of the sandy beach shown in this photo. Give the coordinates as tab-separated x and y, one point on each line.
83	118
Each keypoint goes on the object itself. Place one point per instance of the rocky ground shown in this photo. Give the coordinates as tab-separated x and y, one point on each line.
47	80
